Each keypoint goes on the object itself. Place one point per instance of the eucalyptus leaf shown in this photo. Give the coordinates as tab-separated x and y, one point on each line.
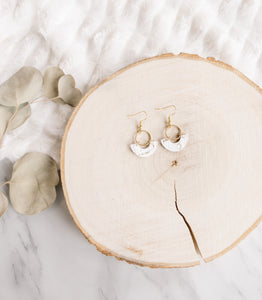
22	87
23	113
51	77
67	90
3	204
33	181
5	115
59	101
6	112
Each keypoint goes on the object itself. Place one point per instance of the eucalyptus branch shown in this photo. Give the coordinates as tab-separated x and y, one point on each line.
4	183
44	100
30	102
27	83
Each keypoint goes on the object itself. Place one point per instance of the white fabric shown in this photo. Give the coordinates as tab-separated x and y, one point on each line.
93	39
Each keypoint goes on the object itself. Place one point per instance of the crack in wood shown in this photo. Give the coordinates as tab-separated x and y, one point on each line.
187	224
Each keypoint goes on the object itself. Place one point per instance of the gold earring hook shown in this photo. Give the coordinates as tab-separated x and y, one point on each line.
165	107
141	121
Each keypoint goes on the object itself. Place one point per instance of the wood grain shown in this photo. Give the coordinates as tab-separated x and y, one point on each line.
152	211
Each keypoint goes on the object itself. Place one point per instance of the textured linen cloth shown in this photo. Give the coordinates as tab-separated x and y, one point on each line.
93	39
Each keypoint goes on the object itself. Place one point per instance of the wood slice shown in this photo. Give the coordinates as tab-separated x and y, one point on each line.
168	209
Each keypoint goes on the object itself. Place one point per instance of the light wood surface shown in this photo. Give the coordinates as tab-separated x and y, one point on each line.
169	209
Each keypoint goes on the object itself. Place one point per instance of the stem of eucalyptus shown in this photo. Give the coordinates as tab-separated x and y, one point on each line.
44	100
4	183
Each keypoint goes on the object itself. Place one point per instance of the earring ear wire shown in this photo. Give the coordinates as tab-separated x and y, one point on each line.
141	121
165	107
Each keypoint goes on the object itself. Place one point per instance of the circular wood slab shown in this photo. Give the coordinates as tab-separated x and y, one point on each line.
168	209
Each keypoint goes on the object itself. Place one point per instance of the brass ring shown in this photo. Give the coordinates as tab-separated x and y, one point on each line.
144	145
173	139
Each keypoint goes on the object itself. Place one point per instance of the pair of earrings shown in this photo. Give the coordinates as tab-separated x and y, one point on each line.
173	143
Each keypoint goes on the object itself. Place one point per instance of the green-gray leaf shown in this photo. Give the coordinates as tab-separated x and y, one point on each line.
67	90
51	77
33	181
23	86
6	112
24	112
5	115
3	204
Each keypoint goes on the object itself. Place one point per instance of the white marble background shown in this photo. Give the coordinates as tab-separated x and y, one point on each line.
45	256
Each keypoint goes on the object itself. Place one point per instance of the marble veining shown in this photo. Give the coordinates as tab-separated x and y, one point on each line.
46	257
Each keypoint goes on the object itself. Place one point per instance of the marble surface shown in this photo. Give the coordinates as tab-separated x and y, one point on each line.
46	257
